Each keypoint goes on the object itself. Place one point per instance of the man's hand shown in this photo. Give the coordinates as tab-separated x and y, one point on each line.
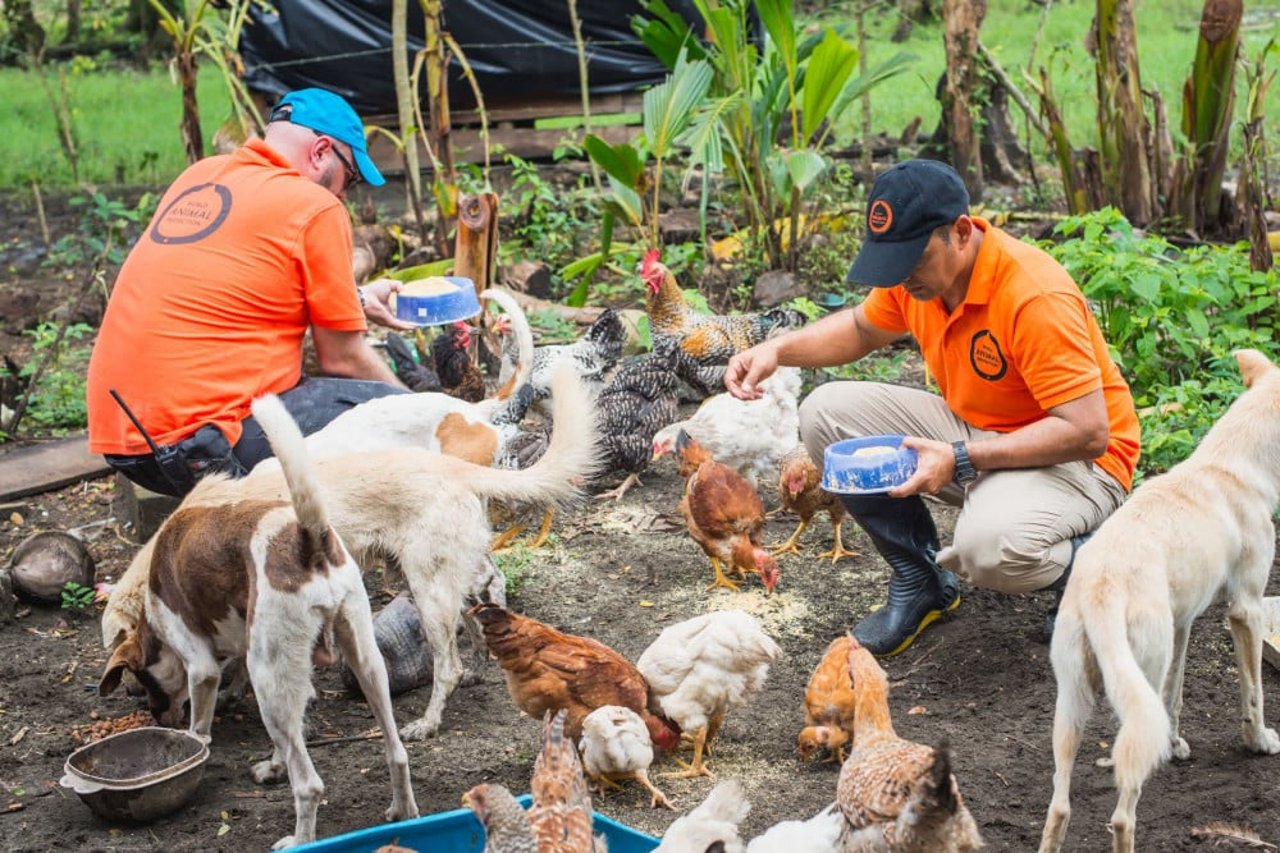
934	471
376	296
749	368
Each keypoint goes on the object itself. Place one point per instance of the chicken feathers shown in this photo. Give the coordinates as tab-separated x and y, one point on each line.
829	704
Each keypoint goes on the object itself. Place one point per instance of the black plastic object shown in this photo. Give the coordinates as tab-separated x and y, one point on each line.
520	50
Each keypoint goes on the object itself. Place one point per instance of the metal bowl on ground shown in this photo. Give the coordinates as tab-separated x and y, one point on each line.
870	465
137	775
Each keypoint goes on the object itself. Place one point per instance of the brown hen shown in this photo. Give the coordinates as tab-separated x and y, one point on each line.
548	670
724	514
561	810
896	795
829	704
800	485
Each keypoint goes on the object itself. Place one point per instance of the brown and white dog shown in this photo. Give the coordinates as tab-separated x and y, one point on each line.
270	581
424	510
1202	531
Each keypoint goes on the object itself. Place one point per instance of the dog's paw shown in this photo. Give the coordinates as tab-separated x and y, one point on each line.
1180	749
1266	742
401	812
283	843
269	773
418	730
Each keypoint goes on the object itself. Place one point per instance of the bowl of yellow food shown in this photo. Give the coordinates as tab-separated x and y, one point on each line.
436	300
869	465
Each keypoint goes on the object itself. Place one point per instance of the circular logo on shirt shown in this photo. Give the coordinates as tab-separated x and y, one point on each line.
879	217
985	356
193	215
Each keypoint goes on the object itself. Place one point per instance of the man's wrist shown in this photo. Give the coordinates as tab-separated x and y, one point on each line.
964	472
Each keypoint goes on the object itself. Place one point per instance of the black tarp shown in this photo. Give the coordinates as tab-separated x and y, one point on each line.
520	50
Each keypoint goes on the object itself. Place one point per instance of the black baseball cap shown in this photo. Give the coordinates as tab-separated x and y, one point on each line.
907	203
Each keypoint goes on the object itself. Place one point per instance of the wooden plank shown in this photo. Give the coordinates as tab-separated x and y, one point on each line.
525	142
47	466
601	105
1271	629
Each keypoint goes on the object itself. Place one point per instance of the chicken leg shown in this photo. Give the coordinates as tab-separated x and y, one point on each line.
720	580
545	530
838	550
791	546
616	494
504	539
697	767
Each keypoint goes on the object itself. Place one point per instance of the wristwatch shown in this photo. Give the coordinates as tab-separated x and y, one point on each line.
965	472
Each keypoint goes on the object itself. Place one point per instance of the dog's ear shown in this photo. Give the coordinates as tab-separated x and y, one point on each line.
1253	365
128	655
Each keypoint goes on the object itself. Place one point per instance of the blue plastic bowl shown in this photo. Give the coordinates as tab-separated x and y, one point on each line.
847	472
436	309
458	831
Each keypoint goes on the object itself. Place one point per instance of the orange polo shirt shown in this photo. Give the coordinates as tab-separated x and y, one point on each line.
1022	342
211	306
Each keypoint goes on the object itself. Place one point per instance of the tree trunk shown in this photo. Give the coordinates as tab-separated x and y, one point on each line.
962	19
404	107
73	22
192	138
1207	101
1123	129
911	12
25	33
444	178
476	250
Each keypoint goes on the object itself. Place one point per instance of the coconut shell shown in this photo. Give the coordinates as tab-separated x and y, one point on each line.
45	562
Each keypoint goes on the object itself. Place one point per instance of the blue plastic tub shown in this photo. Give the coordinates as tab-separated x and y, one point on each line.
458	831
454	298
846	471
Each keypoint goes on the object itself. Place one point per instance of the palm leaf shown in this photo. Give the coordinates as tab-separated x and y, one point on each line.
829	69
669	105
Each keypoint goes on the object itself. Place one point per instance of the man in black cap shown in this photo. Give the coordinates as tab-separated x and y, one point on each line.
245	254
1034	435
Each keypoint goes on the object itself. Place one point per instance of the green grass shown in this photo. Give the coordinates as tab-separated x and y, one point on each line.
1167	34
125	124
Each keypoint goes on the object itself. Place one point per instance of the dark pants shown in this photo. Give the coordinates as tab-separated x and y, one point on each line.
313	402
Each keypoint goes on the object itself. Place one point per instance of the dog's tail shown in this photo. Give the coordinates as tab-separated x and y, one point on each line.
572	457
1143	741
524	341
291	449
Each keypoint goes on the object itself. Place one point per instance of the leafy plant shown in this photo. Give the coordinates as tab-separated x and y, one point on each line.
77	598
103	219
515	565
1172	319
57	402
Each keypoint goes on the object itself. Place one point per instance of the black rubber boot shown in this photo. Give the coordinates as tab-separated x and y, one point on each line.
919	590
1060	585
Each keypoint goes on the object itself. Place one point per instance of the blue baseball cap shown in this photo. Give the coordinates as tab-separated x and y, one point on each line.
330	114
907	202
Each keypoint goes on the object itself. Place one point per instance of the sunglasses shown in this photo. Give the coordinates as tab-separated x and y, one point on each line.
351	176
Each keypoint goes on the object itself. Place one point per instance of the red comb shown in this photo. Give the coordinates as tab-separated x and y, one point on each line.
650	258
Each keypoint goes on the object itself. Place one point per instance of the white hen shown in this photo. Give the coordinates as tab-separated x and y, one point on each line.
750	436
715	820
615	745
818	834
700	668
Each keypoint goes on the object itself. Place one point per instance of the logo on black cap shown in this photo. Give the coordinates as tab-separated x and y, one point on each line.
879	217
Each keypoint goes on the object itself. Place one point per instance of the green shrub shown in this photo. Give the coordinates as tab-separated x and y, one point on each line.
1172	319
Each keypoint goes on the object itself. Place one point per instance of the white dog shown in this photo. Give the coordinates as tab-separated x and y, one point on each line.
425	510
268	580
1201	531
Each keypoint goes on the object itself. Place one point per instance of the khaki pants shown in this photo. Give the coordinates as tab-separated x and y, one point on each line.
1015	525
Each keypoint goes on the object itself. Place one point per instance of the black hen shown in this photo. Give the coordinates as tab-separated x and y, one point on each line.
638	401
459	377
416	377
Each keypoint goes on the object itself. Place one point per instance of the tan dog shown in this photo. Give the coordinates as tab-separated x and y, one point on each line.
1201	531
269	581
425	510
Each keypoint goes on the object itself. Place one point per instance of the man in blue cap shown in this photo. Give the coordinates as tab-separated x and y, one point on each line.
245	254
1033	435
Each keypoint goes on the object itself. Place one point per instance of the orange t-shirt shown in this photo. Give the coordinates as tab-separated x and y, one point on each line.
1022	342
211	306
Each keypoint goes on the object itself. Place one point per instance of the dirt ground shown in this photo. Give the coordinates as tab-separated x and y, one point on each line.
619	573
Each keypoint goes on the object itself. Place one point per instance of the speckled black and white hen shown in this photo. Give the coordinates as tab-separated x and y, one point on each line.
593	356
638	401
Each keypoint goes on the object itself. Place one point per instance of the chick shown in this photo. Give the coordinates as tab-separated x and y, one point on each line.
711	826
615	745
